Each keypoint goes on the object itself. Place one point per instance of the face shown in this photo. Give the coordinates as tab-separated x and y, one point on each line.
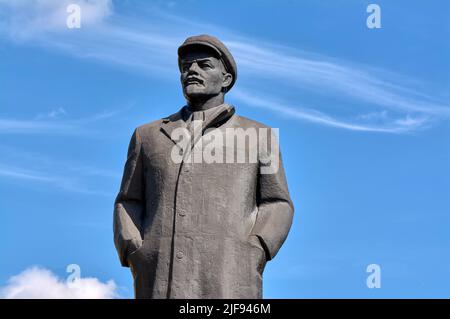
202	74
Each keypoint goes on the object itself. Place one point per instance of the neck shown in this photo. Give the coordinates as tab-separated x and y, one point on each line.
204	104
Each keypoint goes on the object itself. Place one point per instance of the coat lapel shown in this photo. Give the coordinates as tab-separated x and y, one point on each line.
177	120
174	121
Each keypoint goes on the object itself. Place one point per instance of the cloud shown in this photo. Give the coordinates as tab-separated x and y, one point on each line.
40	283
53	114
147	43
62	175
388	125
316	72
25	19
23	174
61	182
52	123
38	126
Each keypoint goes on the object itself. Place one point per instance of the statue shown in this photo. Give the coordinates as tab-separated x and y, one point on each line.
202	224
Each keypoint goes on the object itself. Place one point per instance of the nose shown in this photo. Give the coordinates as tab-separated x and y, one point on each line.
193	68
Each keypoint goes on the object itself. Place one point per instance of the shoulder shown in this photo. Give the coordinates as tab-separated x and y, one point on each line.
149	126
245	122
264	131
147	129
153	126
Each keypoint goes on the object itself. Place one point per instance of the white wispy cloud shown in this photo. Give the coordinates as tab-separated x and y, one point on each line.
321	73
53	114
24	174
70	183
38	126
387	125
149	45
41	283
54	123
27	19
37	169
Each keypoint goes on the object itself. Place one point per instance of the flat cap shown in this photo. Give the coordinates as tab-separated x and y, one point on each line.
215	44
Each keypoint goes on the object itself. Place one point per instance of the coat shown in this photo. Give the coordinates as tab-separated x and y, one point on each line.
197	230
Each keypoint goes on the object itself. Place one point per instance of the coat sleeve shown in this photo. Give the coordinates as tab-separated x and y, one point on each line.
129	204
275	208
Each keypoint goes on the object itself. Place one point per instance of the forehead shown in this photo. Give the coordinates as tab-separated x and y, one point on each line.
200	52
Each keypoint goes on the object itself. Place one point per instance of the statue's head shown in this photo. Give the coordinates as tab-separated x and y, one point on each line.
207	67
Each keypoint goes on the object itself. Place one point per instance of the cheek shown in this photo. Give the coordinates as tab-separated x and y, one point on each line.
215	79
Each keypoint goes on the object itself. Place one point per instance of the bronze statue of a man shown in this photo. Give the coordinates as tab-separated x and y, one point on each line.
193	227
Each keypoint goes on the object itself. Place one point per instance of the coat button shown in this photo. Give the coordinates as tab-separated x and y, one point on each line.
186	169
182	212
180	255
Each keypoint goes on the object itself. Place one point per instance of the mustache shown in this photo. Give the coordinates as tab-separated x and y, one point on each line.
193	78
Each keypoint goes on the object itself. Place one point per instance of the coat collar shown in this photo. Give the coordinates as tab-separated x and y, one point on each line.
179	119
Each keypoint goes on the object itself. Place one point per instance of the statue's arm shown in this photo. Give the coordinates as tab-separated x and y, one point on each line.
275	209
129	203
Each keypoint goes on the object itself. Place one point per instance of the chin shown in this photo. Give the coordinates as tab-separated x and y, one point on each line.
195	93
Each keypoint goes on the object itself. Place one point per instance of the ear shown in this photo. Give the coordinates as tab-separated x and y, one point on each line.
227	79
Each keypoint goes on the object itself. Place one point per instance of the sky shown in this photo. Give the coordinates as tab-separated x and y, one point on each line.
363	117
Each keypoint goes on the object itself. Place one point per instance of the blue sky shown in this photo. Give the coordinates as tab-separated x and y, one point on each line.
363	116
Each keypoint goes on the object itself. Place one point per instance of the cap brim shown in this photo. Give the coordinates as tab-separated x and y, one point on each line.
182	49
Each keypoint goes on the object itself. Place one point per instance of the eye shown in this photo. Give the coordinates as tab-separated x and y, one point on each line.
185	67
205	65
